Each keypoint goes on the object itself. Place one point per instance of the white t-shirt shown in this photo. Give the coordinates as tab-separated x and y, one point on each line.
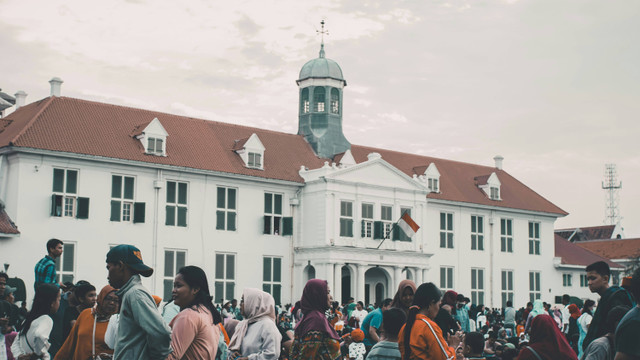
38	339
584	320
565	318
360	315
357	351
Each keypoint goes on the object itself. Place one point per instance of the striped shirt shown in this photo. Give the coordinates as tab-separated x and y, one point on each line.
384	350
45	272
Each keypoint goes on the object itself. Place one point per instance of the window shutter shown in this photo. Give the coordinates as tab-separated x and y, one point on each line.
115	210
231	221
56	205
362	229
378	230
82	212
350	229
219	220
396	233
138	212
287	226
267	224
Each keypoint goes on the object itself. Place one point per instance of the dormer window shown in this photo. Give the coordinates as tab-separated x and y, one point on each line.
433	178
153	138
251	151
432	184
255	160
495	193
155	146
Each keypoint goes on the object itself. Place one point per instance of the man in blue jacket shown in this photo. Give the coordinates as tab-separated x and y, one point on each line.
142	334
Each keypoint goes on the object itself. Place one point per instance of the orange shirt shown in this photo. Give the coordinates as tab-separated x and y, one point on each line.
519	329
79	343
424	345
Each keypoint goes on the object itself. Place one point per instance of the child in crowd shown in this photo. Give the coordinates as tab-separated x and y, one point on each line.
473	346
357	348
387	347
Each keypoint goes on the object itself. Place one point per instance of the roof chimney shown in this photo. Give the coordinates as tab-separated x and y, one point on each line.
56	83
21	96
498	159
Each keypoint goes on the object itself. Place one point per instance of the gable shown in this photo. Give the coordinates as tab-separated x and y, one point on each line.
377	172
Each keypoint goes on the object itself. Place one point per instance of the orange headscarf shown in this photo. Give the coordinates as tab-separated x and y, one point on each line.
574	311
108	289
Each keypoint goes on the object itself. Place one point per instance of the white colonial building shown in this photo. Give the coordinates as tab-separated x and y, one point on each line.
259	208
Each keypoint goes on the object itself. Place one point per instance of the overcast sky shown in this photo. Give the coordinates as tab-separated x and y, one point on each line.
553	86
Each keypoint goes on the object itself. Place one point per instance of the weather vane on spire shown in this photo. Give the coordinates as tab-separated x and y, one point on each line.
322	32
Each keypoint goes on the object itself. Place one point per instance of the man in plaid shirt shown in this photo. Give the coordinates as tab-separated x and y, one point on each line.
46	267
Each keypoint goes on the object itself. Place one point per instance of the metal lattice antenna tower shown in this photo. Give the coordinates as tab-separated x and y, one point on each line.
611	185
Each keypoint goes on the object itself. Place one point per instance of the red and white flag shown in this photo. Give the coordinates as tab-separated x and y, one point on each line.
407	225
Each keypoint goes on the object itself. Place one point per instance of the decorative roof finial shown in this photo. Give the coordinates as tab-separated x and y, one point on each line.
322	32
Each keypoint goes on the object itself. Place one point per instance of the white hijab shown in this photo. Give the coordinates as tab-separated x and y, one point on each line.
258	305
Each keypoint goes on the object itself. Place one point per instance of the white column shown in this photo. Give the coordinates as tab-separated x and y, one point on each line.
329	277
397	276
337	282
359	291
425	277
418	280
298	282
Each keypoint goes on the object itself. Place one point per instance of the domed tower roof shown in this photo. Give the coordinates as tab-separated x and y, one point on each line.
321	67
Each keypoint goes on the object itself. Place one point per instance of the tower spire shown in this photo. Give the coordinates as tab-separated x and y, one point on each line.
322	32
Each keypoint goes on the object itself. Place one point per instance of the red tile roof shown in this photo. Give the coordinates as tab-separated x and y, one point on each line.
587	233
85	127
6	225
572	254
613	249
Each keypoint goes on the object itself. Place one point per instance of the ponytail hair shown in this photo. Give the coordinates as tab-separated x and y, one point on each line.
195	277
425	295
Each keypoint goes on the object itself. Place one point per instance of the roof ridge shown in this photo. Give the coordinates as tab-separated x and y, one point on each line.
32	120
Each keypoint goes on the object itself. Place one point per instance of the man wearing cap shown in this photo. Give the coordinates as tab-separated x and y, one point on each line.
142	334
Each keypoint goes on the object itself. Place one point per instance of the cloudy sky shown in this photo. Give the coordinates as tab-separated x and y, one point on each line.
553	86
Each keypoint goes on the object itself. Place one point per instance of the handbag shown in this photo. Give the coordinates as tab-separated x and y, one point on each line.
438	340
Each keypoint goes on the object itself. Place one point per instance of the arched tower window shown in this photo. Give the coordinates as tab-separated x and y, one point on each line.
304	101
335	101
319	99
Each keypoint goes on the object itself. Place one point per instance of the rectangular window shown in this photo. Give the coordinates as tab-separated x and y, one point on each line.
477	286
367	220
401	235
66	264
446	230
584	282
534	238
122	197
305	106
534	285
495	193
506	235
566	280
507	287
65	189
174	260
155	146
432	184
346	218
227	210
225	277
272	277
386	215
255	160
446	278
272	213
176	210
477	233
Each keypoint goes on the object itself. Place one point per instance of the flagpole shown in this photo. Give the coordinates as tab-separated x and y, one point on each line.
388	234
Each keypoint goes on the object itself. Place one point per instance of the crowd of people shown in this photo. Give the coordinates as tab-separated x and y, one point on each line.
124	321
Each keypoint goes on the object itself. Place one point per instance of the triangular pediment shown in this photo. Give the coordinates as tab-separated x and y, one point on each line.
155	128
254	143
376	172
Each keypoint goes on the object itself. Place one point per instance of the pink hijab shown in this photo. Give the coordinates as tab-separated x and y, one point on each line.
258	305
397	299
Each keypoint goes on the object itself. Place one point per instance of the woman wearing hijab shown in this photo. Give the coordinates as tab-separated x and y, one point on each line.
314	337
547	342
194	331
421	338
86	339
538	309
256	337
404	295
573	334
